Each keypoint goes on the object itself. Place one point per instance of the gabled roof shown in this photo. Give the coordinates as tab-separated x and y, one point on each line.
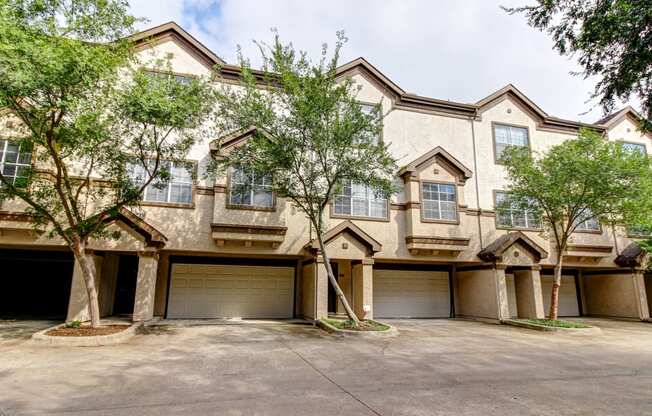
494	251
177	32
151	235
632	256
440	155
616	116
231	139
545	120
352	229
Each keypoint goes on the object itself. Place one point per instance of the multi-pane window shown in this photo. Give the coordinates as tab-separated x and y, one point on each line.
438	201
15	162
509	136
181	79
175	189
372	110
250	189
512	215
359	201
587	223
634	147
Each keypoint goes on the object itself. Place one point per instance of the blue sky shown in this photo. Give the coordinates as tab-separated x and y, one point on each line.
446	49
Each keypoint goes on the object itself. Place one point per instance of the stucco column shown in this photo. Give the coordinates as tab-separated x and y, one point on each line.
529	298
78	309
362	276
640	294
146	285
321	289
500	285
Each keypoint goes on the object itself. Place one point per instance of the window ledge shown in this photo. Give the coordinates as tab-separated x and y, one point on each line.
502	227
352	217
250	208
167	204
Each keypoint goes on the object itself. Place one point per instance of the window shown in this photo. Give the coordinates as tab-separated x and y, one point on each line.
588	224
359	201
372	110
639	231
634	147
181	79
507	136
249	189
15	162
510	215
176	190
438	201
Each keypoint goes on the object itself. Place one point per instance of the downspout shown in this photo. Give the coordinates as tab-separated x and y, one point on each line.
477	184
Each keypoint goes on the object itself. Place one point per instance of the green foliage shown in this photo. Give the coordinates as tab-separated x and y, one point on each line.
73	324
69	74
312	132
611	39
555	323
585	178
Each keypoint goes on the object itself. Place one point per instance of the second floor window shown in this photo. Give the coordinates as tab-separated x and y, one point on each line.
15	162
359	201
511	215
509	136
249	189
587	223
634	147
176	190
439	201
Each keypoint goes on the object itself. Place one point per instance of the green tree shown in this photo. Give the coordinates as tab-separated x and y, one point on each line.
88	118
611	39
313	134
581	179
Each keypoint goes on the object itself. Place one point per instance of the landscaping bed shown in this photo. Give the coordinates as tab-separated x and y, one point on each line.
366	325
86	331
556	323
553	326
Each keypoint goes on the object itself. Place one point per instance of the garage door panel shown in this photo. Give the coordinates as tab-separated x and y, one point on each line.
224	291
411	294
567	295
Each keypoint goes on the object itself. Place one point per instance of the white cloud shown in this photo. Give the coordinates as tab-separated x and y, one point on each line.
457	50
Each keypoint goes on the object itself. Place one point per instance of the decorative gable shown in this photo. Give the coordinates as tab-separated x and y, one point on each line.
514	248
442	158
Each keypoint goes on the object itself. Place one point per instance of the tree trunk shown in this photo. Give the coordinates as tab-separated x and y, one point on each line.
556	284
333	281
88	272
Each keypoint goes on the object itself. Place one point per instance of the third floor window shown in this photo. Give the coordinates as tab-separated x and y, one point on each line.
508	136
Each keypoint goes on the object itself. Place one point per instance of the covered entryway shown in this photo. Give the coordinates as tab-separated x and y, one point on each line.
568	305
231	291
411	293
35	283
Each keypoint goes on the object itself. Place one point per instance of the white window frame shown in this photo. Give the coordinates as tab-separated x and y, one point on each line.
510	128
438	202
588	225
369	199
253	187
4	144
634	147
151	187
526	214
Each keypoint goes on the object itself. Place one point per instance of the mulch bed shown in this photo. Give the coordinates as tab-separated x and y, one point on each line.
86	331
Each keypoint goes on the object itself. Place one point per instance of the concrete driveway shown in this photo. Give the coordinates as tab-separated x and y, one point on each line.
434	367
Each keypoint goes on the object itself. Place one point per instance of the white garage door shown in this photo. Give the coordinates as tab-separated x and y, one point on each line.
228	291
411	294
567	296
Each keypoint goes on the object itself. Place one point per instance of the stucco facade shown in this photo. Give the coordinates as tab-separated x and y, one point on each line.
435	141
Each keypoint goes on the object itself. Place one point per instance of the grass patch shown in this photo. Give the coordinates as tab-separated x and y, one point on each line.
555	323
347	324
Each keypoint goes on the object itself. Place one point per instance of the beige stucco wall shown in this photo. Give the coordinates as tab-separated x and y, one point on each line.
481	293
614	295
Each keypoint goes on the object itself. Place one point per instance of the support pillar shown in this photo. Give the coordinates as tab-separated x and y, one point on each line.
321	289
529	298
640	294
500	285
146	285
78	308
362	279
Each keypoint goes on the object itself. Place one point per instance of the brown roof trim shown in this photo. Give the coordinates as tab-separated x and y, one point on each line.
439	153
494	251
231	139
152	236
632	256
173	28
347	226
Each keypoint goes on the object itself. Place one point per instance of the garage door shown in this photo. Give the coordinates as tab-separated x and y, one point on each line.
230	291
411	294
567	296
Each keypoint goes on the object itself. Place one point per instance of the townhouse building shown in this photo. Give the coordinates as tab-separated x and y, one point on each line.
438	248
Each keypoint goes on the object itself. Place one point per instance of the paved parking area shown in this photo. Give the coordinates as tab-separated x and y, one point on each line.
435	367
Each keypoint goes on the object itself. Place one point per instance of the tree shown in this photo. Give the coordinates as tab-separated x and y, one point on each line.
89	118
611	38
583	179
312	136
